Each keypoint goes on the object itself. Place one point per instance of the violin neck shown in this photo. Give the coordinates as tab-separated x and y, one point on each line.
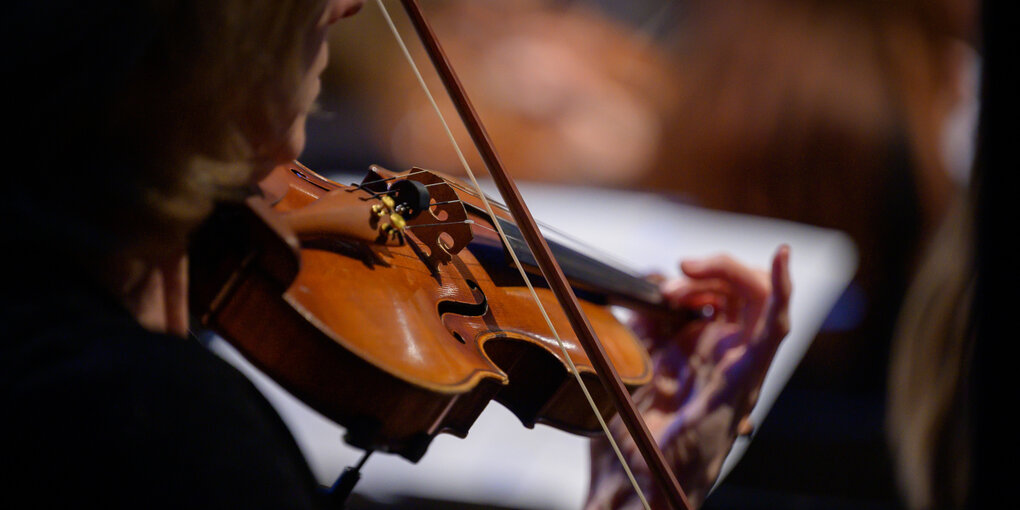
587	274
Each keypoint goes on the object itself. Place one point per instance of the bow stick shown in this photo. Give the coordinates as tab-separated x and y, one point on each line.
629	414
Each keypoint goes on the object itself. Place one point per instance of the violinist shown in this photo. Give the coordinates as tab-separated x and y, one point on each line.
130	120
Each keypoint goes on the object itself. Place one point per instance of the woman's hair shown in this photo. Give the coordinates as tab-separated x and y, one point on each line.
131	118
928	414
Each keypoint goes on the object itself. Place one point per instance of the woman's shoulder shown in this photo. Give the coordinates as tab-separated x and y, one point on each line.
93	397
80	338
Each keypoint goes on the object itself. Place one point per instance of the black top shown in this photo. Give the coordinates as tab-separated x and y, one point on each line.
96	409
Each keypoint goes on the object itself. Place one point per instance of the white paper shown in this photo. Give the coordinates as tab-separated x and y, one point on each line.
501	462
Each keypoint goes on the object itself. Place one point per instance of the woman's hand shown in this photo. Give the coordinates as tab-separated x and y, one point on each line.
708	373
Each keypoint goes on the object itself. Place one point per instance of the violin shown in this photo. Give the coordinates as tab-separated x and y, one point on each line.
389	307
401	336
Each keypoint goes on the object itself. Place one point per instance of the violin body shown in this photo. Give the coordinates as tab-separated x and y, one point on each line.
397	338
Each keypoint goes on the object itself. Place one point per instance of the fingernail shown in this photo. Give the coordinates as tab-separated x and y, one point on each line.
745	428
691	265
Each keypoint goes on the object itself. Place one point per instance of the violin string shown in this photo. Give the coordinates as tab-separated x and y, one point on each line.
394	192
463	222
455	201
387	179
364	187
579	245
517	262
584	247
469	222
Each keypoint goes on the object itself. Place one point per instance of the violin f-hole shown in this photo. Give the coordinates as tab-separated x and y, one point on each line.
446	308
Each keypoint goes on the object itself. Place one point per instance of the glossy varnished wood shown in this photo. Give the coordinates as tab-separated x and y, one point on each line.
360	332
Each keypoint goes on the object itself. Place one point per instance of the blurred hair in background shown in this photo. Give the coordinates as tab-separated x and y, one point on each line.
929	419
567	93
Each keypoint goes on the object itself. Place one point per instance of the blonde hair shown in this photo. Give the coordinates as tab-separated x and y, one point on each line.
144	113
927	409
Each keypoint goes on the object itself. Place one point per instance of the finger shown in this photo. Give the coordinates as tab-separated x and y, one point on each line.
746	427
688	293
750	283
777	320
782	286
656	278
711	299
677	287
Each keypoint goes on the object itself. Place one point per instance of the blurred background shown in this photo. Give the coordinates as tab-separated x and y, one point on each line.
853	115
